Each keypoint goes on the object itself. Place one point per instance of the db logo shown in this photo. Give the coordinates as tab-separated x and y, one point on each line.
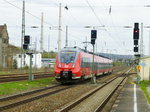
66	66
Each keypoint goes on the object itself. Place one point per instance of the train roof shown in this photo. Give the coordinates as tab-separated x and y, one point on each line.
79	49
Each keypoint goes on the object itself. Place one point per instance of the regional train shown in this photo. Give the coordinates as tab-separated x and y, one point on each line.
74	64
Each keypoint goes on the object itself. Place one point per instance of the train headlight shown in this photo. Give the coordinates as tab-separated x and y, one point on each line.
59	65
73	65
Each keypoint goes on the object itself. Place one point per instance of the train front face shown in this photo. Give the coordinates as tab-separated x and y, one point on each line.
67	66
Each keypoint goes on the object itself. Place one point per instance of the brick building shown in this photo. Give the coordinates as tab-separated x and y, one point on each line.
7	51
4	43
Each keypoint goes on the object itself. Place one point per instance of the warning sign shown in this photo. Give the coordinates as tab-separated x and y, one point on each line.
138	67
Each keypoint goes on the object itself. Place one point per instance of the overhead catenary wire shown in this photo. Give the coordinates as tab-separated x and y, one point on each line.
34	16
74	37
94	12
105	29
68	10
27	12
112	20
40	18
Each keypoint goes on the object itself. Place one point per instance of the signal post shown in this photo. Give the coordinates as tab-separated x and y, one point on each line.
26	48
93	38
136	38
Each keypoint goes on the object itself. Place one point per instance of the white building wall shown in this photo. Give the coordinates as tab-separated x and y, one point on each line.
145	68
36	60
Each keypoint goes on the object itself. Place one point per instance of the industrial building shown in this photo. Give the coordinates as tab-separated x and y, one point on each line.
36	60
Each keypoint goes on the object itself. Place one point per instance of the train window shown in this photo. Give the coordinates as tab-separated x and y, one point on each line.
86	62
67	56
82	62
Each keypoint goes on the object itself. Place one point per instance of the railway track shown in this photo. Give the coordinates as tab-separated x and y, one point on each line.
19	77
19	99
95	100
23	98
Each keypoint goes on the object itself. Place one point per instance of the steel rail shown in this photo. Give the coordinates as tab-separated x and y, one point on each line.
24	74
105	101
17	103
67	107
19	78
27	93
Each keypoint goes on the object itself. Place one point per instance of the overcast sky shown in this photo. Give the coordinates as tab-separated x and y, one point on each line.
112	36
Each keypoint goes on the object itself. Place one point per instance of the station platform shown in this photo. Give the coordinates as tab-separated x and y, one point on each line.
131	99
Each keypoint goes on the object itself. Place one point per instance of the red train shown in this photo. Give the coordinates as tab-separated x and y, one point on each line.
75	64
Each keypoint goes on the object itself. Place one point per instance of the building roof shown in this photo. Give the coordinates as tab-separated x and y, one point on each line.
1	28
145	57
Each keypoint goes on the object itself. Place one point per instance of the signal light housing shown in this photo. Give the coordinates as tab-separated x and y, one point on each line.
136	49
25	46
93	36
136	31
136	34
27	39
137	55
93	41
135	42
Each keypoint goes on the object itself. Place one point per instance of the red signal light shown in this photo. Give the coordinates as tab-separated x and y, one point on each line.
136	34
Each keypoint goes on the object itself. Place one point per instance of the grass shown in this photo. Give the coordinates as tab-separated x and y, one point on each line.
15	73
16	87
144	85
19	71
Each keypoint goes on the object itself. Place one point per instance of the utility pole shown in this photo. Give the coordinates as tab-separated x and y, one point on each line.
149	43
49	46
86	43
66	36
35	52
59	29
41	41
22	32
141	42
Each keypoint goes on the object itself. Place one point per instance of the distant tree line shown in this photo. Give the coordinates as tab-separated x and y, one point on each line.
50	54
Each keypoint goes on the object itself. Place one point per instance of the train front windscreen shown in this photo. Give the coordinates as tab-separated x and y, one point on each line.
67	56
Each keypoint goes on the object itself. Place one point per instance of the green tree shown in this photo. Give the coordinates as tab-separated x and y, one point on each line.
15	65
50	54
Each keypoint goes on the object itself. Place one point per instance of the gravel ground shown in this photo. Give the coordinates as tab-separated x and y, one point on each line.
92	102
53	102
